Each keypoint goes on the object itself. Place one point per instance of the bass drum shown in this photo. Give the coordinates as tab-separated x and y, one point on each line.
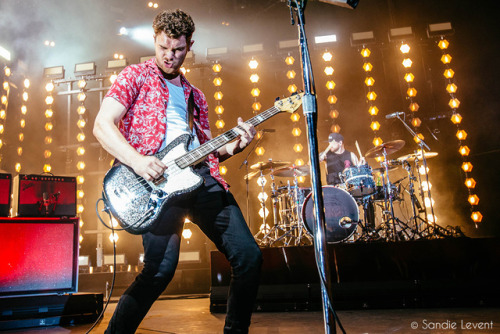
341	214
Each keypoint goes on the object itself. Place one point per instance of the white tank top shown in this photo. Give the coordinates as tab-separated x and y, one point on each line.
177	117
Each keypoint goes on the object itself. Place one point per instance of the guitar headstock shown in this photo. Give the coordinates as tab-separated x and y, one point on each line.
290	104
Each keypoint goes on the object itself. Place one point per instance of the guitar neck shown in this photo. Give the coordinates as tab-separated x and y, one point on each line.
210	146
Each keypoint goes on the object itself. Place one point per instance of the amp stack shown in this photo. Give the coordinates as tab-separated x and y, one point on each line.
39	234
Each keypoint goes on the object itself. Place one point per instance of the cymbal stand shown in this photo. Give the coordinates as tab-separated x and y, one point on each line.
423	146
245	162
297	231
264	230
388	196
431	227
415	204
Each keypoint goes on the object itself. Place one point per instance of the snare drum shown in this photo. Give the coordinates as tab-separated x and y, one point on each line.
341	214
359	180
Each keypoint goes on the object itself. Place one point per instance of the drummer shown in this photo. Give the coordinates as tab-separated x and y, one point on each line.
337	159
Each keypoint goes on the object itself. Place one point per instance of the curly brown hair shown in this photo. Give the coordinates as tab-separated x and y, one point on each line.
174	23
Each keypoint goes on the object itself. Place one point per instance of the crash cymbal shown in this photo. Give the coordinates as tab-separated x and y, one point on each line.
413	156
251	175
382	169
269	165
390	147
292	171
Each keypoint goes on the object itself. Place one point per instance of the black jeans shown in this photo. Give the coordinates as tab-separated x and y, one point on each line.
217	214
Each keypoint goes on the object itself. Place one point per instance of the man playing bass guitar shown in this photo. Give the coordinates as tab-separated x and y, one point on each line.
149	106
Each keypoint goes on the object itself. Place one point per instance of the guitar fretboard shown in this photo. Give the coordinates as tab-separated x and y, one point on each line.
210	146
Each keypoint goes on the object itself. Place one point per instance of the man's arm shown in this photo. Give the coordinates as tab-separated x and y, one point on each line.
322	155
107	133
354	159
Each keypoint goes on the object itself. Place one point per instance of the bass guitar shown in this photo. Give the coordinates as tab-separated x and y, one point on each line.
137	203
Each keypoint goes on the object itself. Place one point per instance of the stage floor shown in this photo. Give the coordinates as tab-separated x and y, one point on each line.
190	314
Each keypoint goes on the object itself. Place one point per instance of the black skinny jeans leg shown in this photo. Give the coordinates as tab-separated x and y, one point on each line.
220	218
161	255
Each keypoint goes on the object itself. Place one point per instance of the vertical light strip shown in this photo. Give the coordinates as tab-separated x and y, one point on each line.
295	117
371	96
4	103
411	91
80	150
254	78
219	108
22	124
456	119
49	113
330	85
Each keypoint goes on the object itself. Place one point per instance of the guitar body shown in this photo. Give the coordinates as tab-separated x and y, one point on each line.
137	203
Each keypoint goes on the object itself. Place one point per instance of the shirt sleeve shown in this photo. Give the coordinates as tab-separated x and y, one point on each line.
127	86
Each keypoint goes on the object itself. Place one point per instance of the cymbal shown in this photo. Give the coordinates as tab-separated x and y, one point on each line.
269	165
390	147
251	175
382	169
292	171
413	156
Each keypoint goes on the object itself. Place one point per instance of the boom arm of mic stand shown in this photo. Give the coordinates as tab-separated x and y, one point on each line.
413	133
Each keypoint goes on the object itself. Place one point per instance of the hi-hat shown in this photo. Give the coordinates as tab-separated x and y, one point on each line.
292	171
389	148
413	156
269	165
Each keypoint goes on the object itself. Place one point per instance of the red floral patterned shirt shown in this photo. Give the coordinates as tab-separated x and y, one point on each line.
141	89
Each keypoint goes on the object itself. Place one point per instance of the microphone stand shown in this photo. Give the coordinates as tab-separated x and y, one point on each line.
310	114
245	162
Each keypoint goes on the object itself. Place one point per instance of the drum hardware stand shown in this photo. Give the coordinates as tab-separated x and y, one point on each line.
368	230
245	162
266	239
415	204
388	197
423	146
298	231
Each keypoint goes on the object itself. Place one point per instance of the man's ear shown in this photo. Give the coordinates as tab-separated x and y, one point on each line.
191	42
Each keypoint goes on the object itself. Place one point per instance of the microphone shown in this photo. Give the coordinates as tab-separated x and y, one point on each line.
268	130
437	117
394	114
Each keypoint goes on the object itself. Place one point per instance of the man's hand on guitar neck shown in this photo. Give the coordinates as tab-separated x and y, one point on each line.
246	133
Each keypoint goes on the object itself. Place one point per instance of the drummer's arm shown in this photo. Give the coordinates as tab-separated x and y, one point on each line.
322	155
354	159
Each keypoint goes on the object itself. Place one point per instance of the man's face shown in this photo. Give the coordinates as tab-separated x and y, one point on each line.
171	52
336	145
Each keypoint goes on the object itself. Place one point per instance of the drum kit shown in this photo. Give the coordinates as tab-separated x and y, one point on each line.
362	186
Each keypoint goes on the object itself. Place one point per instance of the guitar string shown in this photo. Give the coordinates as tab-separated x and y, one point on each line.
187	159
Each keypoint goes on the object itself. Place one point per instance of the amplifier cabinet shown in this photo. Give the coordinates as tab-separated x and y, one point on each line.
44	196
38	256
5	190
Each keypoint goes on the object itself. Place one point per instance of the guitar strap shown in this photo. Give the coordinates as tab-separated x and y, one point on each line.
190	110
